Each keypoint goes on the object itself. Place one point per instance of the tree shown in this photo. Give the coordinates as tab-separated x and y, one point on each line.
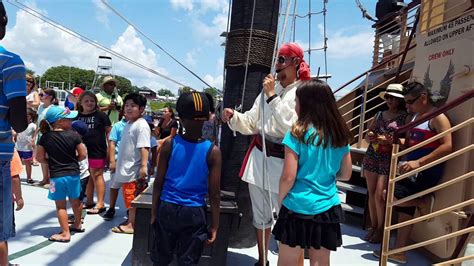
184	89
213	92
165	92
69	74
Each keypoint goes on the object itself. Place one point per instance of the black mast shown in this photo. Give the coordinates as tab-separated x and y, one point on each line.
265	24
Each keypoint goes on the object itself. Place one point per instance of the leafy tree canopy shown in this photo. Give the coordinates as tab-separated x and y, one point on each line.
165	92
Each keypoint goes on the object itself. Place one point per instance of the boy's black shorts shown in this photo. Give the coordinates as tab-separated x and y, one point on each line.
179	230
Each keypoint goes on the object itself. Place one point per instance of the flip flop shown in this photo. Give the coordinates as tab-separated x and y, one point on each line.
52	239
75	230
118	229
30	181
96	210
88	206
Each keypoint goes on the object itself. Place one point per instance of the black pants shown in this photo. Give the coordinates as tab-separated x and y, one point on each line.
179	230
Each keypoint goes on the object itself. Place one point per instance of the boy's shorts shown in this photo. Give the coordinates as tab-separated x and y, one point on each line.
131	190
113	183
96	163
6	202
64	186
179	230
26	155
16	167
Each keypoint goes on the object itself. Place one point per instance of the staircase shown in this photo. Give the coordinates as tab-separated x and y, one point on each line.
360	104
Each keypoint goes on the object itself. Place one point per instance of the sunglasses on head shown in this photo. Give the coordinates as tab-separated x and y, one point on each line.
412	101
282	59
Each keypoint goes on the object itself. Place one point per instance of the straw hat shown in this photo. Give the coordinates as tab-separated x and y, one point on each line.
108	79
395	90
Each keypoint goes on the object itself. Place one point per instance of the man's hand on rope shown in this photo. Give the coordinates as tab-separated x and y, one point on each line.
227	114
269	85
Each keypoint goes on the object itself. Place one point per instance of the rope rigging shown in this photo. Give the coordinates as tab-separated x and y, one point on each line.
83	38
151	40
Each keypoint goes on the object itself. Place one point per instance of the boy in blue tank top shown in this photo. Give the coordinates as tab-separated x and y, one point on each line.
189	168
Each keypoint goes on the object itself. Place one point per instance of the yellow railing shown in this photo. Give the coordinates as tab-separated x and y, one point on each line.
454	209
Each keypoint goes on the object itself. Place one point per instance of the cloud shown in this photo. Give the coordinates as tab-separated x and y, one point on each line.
191	56
102	13
198	10
42	46
214	81
182	4
345	43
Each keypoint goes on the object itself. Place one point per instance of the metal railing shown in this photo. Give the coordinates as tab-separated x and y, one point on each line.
391	203
392	33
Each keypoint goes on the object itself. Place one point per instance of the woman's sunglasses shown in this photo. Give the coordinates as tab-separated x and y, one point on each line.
412	101
43	94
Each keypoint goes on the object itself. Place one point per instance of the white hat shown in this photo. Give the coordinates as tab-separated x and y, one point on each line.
108	79
395	90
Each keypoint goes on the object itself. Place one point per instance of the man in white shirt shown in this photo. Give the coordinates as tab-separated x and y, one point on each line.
279	115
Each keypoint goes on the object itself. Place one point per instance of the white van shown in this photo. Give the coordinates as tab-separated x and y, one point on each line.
61	95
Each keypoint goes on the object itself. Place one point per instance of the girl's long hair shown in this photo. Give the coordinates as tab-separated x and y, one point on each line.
81	97
317	108
44	126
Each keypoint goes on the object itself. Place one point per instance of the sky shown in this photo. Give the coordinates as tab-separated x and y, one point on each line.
187	29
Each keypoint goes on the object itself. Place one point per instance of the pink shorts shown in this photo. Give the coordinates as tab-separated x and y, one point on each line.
96	163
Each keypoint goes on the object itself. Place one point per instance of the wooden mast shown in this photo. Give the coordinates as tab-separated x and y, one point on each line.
265	24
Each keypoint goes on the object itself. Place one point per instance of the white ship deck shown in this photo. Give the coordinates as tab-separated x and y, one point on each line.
98	245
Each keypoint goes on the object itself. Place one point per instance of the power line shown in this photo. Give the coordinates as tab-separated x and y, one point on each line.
87	40
157	45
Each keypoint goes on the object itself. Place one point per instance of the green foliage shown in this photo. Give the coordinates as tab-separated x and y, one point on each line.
84	78
184	89
157	106
213	91
79	77
165	92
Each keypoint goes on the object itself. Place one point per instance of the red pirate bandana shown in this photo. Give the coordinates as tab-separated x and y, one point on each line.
292	49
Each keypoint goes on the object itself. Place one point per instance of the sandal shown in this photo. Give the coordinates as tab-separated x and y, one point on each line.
86	206
96	210
55	239
119	230
30	181
76	230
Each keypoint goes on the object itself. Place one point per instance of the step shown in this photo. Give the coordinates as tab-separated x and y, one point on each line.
356	168
351	208
350	187
361	150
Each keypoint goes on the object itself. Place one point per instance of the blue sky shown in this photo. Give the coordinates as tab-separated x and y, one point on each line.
188	29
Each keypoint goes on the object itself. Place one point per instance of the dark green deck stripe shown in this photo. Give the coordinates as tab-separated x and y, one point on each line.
29	250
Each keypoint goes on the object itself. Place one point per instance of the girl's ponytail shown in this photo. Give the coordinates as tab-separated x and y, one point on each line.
44	126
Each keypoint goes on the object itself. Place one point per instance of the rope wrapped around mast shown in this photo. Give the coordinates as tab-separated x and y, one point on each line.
261	50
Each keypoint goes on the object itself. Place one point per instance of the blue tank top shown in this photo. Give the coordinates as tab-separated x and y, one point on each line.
186	180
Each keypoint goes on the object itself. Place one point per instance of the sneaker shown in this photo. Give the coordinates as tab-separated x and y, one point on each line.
427	206
400	258
109	214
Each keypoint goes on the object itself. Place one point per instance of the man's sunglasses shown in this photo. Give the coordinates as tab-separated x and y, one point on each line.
412	101
282	59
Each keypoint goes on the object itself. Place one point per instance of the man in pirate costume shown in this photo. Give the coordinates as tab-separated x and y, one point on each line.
279	115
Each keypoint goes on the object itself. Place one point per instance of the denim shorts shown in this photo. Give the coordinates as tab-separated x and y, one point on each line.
64	186
179	230
7	229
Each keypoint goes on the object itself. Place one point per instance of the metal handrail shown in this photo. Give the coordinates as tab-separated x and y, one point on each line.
381	64
448	106
390	203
